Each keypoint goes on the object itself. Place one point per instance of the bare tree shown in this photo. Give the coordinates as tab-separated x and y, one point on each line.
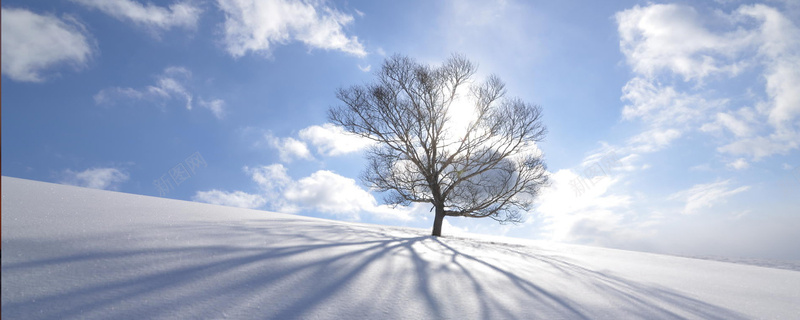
489	167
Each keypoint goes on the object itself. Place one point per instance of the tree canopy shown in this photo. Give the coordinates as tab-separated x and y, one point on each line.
486	166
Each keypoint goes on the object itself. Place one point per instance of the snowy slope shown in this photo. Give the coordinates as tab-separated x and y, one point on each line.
75	253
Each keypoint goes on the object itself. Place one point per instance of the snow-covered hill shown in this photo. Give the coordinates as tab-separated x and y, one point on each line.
75	253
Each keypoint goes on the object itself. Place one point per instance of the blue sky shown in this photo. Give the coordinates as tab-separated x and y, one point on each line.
673	126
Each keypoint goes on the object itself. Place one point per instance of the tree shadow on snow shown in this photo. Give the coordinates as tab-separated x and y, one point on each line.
300	269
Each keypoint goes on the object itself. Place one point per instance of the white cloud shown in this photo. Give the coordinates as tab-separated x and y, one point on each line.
289	148
330	193
662	105
365	69
232	199
782	84
328	140
97	178
580	210
257	26
271	181
741	123
111	95
653	140
332	140
778	41
660	41
739	164
671	37
779	44
682	61
763	146
217	107
667	112
703	196
582	206
181	14
323	191
269	178
33	43
628	163
171	84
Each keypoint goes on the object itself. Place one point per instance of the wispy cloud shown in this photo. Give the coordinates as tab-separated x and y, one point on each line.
32	44
171	84
653	140
741	123
257	26
177	15
704	196
760	147
217	107
97	178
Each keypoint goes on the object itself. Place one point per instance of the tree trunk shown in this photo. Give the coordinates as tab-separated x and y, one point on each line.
437	222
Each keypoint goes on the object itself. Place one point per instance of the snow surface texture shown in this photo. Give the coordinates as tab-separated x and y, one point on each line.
75	253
